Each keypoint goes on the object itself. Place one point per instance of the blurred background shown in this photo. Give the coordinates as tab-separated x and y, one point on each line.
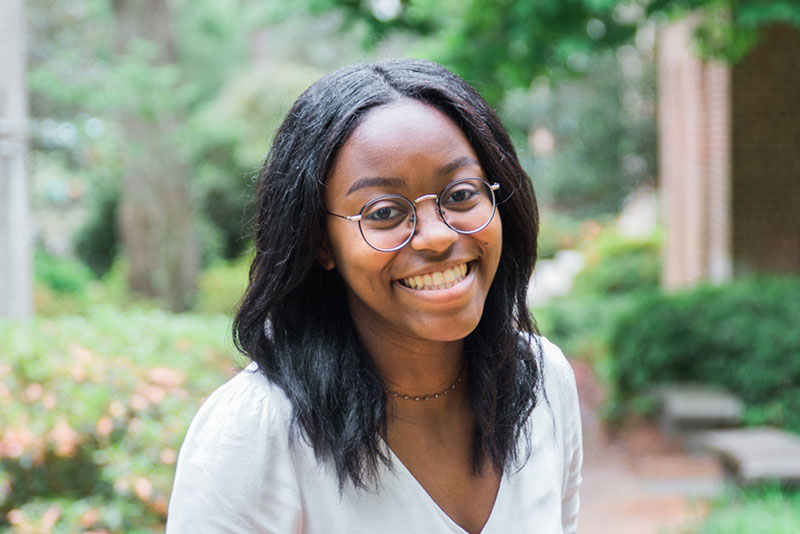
663	140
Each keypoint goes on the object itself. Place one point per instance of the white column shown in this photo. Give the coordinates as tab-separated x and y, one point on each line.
15	231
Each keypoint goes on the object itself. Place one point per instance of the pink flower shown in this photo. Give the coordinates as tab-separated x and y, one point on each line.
164	376
64	438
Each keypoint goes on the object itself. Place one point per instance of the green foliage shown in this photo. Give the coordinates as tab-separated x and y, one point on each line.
598	132
92	413
78	83
236	127
580	324
222	285
504	44
742	336
619	265
62	275
97	241
616	270
746	511
558	231
508	43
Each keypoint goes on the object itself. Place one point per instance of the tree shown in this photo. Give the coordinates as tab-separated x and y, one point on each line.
15	256
156	212
503	44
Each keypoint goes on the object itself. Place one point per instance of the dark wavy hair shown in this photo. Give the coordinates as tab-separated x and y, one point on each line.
293	318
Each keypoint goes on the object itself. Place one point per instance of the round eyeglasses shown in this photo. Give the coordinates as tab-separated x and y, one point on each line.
387	223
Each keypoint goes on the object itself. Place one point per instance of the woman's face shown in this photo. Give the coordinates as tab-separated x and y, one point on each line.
413	150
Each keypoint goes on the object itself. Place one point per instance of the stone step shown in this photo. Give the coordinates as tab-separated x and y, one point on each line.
759	454
687	408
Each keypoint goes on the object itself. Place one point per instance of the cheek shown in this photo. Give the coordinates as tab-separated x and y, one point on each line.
360	266
343	240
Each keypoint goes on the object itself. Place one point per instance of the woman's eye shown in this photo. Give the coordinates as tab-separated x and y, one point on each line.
384	214
461	195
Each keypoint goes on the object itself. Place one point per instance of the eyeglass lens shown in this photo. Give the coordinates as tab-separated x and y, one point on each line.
466	207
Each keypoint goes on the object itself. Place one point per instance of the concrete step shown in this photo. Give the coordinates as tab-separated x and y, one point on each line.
753	455
687	408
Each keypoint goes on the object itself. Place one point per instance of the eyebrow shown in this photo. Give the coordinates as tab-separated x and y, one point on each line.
383	181
463	161
377	181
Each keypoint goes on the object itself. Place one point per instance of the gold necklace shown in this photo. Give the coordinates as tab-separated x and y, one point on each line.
418	398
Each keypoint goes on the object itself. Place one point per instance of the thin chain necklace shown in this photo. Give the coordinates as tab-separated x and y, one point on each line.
418	398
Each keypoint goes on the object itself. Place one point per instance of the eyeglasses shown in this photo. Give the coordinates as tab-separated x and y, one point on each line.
387	223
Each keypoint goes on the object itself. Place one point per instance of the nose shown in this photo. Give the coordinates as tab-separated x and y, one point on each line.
431	233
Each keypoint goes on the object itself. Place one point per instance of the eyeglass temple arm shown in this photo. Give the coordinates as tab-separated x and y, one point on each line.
346	217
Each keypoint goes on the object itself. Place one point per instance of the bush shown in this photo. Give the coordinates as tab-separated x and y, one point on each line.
742	336
93	411
222	285
97	241
558	231
752	510
617	265
62	275
616	268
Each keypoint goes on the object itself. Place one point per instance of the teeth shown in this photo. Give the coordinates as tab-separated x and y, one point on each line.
437	280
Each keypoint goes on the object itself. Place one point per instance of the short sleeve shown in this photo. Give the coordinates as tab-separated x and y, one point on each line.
570	417
234	472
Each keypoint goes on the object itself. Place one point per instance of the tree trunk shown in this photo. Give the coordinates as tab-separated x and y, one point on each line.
15	233
156	210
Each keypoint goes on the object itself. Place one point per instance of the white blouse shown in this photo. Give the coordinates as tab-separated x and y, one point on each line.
237	472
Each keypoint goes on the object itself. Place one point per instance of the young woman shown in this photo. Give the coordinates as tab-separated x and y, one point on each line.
397	383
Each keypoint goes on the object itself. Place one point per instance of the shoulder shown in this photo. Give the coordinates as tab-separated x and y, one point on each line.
556	366
248	398
558	381
247	413
236	452
555	369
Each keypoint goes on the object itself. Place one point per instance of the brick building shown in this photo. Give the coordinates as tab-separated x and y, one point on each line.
729	143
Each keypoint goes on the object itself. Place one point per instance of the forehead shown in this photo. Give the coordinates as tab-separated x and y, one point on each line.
407	139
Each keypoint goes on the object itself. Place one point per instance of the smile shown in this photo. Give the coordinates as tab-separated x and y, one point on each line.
437	280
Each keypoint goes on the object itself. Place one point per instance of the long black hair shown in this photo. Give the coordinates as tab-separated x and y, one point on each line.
293	318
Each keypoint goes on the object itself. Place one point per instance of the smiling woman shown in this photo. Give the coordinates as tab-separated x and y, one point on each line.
397	383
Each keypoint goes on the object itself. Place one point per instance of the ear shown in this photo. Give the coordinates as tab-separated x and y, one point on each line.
324	256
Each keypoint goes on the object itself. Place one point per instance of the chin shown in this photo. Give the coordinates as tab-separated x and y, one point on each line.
446	329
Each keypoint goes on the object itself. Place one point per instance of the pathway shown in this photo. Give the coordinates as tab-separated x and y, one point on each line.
637	481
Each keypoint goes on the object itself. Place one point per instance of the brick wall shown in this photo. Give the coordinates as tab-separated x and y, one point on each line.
694	146
729	142
766	155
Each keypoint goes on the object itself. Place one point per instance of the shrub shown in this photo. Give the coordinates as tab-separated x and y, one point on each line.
742	336
222	285
62	275
617	264
93	411
97	241
745	511
559	231
616	268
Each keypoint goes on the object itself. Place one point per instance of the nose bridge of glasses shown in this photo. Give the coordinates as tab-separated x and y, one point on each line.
425	197
430	196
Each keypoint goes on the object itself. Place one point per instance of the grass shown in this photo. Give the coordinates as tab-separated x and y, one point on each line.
758	510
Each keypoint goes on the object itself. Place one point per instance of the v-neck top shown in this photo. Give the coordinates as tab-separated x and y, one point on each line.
239	472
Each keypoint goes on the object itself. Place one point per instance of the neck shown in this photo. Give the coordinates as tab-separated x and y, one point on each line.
416	367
